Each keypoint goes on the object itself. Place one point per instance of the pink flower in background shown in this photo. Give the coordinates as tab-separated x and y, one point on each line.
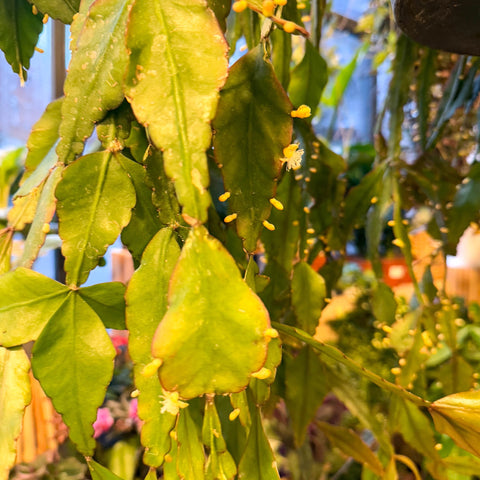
103	423
119	339
133	412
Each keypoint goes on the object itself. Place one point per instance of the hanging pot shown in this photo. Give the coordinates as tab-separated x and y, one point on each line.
449	25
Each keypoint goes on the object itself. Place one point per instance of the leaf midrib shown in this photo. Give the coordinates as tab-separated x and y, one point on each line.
178	100
74	273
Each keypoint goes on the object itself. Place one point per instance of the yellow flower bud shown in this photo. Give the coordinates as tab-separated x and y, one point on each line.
239	6
230	218
303	111
276	203
268	7
289	27
224	197
268	225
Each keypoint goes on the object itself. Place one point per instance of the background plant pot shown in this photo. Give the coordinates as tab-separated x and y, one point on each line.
441	24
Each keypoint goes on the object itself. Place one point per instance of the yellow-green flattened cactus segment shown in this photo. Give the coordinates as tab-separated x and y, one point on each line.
212	337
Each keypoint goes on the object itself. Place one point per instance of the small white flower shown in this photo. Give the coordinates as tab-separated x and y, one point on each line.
292	156
171	403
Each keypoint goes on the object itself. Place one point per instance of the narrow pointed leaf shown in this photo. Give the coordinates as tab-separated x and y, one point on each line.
43	216
212	337
95	74
6	242
14	397
458	416
145	217
190	456
73	360
258	462
106	299
99	472
414	426
19	31
146	304
43	137
306	389
63	10
174	93
351	445
91	212
27	301
308	79
220	464
308	296
252	127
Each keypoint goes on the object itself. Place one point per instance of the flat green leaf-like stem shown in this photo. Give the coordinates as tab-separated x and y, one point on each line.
27	301
212	337
95	74
340	357
95	199
19	31
146	305
252	126
177	66
73	360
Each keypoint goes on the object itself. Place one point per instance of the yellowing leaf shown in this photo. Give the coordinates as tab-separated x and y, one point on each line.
212	337
177	66
14	397
458	416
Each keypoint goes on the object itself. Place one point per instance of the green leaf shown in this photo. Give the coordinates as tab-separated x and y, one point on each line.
258	461
351	445
146	300
403	64
308	296
308	79
190	456
164	197
95	74
261	387
99	472
27	301
59	10
220	464
425	81
466	205
174	93
466	465
14	397
305	390
73	360
221	8
414	426
43	216
340	83
91	211
19	31
106	300
384	305
6	242
212	337
252	126
145	217
458	416
43	137
10	166
281	55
